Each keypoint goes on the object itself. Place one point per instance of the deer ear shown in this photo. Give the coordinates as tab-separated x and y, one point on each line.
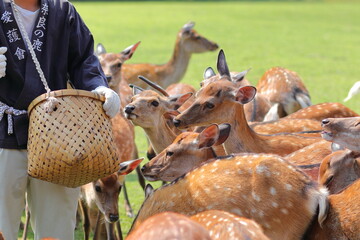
148	190
209	136
240	76
100	49
245	94
224	132
222	66
128	166
179	100
170	115
135	89
128	52
188	26
209	72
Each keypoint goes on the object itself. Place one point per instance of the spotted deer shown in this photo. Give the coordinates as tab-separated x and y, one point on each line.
99	203
285	87
188	151
259	107
354	90
170	225
224	225
148	110
111	64
342	221
188	41
323	110
222	102
262	187
343	131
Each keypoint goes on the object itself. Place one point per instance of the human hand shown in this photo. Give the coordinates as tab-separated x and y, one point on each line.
2	61
112	100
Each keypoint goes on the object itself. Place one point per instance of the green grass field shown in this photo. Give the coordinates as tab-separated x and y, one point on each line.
320	41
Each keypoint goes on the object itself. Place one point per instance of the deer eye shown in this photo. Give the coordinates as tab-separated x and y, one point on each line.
168	154
201	84
356	124
118	65
328	181
209	105
155	103
98	188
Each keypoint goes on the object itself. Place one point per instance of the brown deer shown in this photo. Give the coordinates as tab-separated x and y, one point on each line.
339	169
259	107
342	221
323	110
111	64
262	187
188	151
343	131
170	225
285	87
224	225
188	42
99	203
222	102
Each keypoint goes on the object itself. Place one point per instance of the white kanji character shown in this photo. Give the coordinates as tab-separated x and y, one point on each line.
6	17
20	53
41	23
37	45
45	9
12	35
39	33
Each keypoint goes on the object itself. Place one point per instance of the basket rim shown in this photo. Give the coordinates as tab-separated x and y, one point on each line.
65	92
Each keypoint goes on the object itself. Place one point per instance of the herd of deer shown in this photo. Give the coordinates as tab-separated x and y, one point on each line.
242	162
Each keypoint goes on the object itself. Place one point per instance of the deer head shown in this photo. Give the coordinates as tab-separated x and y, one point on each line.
187	151
111	63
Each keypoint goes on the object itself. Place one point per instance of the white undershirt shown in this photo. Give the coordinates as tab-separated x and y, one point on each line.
28	19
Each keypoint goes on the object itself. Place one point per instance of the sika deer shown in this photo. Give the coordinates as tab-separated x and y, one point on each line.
224	225
343	131
222	102
101	197
262	187
170	225
285	87
339	169
188	42
188	151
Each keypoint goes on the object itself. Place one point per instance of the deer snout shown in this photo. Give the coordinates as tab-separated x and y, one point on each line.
108	78
113	217
176	122
129	109
325	122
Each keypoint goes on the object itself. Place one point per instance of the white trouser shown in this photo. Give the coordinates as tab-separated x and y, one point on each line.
52	207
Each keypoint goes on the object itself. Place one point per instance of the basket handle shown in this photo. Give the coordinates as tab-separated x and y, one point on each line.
52	102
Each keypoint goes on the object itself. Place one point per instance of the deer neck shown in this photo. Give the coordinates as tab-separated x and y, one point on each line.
242	138
161	135
175	69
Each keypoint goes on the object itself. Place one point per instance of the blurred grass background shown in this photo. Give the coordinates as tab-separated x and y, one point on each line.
318	40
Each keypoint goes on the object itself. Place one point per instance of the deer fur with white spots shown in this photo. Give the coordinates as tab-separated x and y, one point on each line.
262	187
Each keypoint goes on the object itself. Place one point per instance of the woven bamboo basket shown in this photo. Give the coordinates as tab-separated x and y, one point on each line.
73	145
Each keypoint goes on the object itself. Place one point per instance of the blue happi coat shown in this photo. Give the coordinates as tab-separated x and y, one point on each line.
64	47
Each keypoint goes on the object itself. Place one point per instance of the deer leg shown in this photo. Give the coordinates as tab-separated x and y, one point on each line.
85	216
119	231
110	231
128	209
141	178
97	230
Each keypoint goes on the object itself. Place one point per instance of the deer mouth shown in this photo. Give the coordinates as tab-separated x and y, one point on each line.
328	136
131	116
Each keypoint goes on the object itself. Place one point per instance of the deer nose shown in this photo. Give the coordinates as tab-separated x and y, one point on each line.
129	109
108	78
325	121
113	217
176	122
